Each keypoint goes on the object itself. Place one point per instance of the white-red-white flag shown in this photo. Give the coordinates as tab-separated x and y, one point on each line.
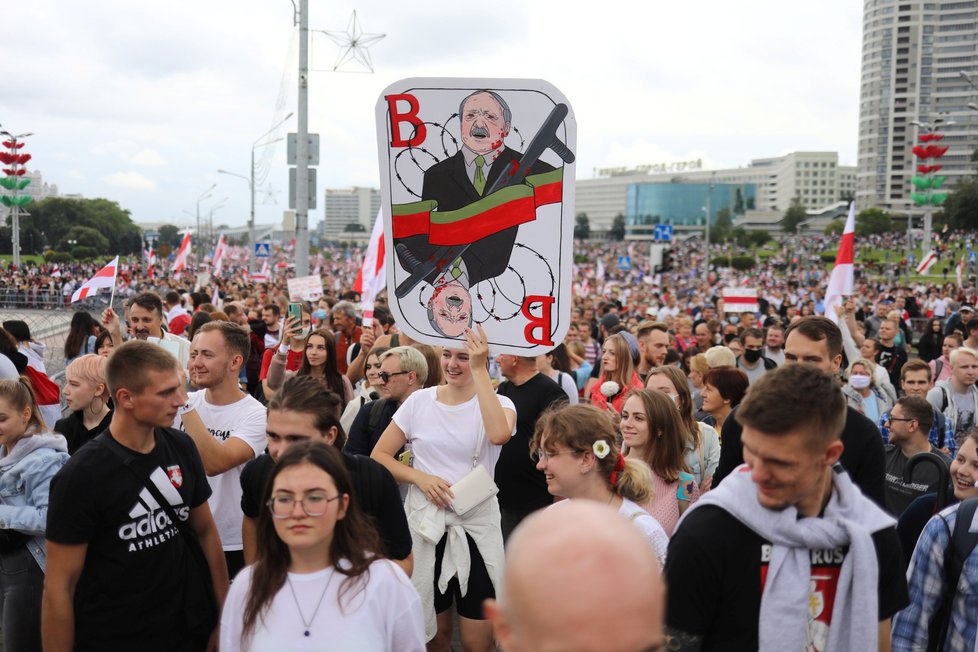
219	252
104	278
261	276
372	276
740	300
928	261
842	280
150	261
959	270
180	262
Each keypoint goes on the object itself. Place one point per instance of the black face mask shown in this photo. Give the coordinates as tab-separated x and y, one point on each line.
752	355
729	337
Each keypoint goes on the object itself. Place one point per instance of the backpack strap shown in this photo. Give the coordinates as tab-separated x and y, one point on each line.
938	365
376	407
960	546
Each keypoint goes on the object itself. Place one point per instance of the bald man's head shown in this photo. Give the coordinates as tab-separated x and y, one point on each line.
579	578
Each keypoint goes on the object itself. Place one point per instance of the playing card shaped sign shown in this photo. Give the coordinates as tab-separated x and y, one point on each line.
477	181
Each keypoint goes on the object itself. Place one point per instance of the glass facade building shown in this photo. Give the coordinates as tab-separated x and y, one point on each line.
682	204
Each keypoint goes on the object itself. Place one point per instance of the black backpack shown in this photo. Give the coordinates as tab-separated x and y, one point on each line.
961	543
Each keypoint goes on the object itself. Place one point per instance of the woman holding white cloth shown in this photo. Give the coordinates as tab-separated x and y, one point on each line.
452	429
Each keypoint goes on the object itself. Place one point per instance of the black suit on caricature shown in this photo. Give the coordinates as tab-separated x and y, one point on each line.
447	183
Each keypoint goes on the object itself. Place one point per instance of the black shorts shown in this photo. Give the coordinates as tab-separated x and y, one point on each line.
480	585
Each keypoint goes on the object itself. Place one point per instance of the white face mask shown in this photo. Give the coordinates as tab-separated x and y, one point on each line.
859	382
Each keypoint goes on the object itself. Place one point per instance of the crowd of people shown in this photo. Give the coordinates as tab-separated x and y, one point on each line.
231	468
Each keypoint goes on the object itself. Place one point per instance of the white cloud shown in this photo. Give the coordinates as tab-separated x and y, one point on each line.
148	157
133	180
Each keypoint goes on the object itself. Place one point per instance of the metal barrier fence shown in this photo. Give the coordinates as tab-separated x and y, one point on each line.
32	299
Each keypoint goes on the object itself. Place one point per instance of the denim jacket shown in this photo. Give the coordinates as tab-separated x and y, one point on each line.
25	484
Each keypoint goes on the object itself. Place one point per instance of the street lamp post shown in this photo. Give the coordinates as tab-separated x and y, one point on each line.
251	187
203	196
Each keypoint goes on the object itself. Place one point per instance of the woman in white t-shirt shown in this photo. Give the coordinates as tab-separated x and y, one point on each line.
576	447
452	429
319	581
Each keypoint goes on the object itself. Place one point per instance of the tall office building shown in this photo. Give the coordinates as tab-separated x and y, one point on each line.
913	56
349	206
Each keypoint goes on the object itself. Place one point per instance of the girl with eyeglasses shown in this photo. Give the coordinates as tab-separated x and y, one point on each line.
319	580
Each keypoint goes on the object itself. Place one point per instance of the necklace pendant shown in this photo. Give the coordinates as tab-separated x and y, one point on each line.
307	632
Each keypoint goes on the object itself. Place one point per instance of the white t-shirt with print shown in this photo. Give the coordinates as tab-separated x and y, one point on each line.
244	419
443	437
384	615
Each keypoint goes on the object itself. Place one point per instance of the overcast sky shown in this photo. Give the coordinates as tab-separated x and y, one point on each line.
143	102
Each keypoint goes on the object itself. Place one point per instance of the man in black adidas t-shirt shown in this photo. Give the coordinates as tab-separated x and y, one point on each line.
304	409
118	570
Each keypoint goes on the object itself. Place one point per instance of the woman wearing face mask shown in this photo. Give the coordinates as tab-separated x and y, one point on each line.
862	393
88	398
653	432
370	389
29	457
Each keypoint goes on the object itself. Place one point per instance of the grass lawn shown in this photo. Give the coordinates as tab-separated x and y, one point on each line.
24	257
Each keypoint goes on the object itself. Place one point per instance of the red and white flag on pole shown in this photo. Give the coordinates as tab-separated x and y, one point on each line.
105	278
740	300
372	276
843	272
261	276
150	261
180	262
959	270
928	261
219	252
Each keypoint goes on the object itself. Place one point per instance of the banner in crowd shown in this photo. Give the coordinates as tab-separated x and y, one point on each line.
305	288
477	181
740	300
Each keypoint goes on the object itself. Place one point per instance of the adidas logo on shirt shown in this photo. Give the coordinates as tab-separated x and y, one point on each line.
150	525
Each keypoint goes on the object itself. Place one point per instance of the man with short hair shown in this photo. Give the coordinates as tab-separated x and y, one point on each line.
805	560
305	410
958	320
271	315
971	329
226	424
704	336
572	573
818	341
774	343
891	357
653	344
523	487
146	323
915	380
403	371
347	333
752	361
910	420
117	575
874	321
957	397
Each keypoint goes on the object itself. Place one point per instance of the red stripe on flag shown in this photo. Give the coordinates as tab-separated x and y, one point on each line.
380	256
846	248
728	301
412	224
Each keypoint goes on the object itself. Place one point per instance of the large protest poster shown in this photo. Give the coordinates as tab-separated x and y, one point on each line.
477	180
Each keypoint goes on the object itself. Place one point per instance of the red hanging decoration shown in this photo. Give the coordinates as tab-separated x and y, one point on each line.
11	144
920	151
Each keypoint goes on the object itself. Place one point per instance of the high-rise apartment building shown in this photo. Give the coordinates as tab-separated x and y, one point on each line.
913	56
349	206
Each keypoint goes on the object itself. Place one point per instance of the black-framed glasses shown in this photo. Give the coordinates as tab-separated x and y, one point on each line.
899	419
544	456
386	376
314	504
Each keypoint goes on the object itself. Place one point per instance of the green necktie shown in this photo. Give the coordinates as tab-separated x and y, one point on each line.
456	269
480	178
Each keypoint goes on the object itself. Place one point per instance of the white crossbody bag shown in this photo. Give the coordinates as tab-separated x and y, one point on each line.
476	487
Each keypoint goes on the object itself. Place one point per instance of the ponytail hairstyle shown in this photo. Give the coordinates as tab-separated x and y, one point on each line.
586	429
20	394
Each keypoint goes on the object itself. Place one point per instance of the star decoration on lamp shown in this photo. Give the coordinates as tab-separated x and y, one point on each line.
355	44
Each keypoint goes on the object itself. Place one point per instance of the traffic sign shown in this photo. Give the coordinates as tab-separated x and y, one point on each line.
262	249
624	263
662	233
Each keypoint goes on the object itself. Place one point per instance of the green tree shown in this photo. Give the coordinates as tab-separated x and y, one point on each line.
836	227
52	218
960	208
170	236
582	227
720	230
794	217
618	227
870	221
84	236
759	238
